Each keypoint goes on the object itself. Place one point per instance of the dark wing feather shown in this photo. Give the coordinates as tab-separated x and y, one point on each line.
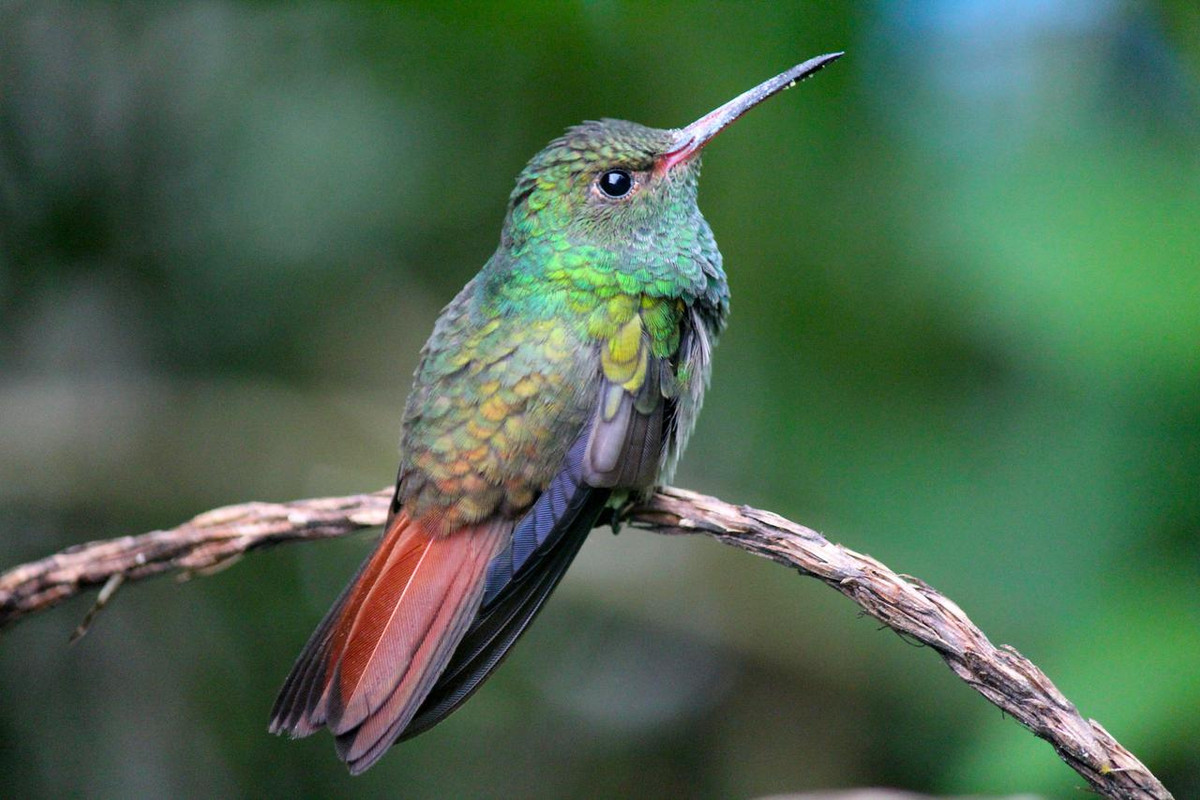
497	628
622	447
626	448
520	580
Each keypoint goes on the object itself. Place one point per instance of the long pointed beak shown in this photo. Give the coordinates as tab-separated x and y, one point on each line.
690	140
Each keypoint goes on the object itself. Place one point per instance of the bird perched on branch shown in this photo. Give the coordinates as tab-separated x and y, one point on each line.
564	377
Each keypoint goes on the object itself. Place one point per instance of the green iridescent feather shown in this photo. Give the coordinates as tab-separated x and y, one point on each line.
582	291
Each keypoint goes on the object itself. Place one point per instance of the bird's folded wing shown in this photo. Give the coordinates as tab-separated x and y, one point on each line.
622	447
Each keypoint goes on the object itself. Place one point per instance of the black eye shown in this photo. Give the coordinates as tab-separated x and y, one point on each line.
616	183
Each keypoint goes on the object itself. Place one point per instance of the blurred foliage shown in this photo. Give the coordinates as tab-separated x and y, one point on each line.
966	339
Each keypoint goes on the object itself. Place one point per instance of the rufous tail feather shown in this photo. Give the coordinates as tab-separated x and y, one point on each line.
373	660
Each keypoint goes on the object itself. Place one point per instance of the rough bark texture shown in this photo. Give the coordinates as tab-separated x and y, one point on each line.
905	604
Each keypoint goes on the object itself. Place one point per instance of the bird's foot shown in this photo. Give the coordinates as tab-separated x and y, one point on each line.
619	509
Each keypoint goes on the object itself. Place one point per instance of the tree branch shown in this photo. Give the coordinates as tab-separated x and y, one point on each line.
905	604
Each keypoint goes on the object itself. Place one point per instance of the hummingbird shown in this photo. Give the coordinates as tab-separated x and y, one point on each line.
563	380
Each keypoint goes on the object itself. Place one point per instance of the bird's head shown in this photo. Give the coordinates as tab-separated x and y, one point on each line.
612	182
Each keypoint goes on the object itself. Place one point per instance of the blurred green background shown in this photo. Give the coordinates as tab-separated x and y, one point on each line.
965	339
